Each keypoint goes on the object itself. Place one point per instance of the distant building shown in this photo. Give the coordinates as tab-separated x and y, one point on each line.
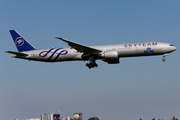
77	116
29	119
53	117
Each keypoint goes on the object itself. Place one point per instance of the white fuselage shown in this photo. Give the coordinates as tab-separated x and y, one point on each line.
123	50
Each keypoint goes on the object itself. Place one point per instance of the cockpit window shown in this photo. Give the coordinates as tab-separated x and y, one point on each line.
171	45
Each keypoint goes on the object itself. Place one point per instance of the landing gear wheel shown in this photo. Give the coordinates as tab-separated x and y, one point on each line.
88	65
91	65
163	59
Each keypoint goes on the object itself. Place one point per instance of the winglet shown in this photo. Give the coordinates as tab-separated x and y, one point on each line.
21	43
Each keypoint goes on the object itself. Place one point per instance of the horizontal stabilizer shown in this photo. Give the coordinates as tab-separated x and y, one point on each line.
17	53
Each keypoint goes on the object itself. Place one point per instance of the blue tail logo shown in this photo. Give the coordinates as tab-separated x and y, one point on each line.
21	43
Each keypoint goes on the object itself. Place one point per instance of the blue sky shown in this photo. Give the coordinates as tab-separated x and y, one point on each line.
140	87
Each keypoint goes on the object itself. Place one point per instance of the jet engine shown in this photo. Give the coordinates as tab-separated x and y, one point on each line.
111	57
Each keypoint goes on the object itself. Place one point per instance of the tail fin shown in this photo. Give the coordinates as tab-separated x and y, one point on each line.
21	43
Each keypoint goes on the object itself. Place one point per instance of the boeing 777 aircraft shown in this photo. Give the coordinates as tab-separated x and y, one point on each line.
108	53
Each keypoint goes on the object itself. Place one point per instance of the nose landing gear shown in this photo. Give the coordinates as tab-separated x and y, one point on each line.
164	57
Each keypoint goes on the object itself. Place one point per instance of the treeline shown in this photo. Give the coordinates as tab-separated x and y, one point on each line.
93	118
96	118
174	118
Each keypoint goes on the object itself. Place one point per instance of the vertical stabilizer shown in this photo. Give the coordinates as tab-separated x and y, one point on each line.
21	43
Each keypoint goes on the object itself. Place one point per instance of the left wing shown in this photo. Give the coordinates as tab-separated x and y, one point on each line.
80	47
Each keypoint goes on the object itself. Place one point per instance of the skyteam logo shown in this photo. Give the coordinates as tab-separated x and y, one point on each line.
53	52
19	41
148	50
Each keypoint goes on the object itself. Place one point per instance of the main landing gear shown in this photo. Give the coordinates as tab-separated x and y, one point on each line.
164	57
91	64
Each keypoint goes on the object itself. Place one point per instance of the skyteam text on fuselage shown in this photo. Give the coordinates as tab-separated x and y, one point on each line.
108	53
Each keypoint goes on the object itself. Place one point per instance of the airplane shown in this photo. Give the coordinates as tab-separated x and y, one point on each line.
78	52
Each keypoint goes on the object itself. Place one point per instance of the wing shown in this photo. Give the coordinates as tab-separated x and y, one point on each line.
80	47
17	53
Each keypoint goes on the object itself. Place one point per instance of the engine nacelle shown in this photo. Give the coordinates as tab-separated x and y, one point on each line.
111	57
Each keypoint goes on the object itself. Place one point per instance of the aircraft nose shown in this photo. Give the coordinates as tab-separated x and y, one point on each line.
173	48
